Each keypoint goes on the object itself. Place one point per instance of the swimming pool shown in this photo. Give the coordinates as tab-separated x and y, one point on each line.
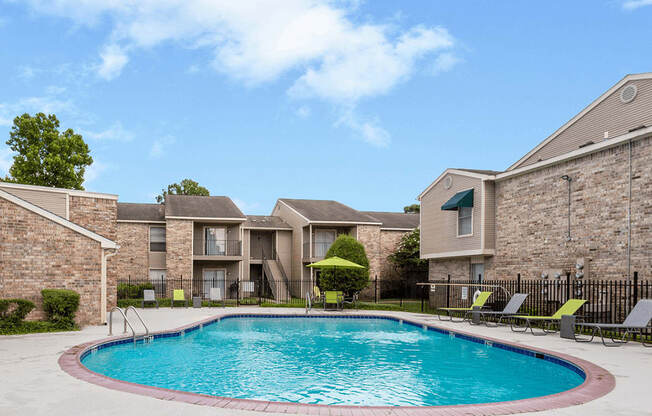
335	361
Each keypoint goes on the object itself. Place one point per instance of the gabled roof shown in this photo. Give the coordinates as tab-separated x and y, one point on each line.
202	207
597	101
266	222
395	220
72	192
128	211
474	173
314	210
104	242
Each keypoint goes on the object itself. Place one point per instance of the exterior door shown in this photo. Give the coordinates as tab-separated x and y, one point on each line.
323	241
215	241
213	278
477	272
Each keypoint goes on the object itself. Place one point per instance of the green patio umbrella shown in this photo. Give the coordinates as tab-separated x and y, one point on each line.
335	263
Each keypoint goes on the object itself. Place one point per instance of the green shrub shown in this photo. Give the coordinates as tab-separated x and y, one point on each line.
13	311
132	291
346	280
60	307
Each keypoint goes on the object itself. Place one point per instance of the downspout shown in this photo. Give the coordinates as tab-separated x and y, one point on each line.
106	253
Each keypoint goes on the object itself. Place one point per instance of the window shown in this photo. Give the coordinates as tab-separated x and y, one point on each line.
465	221
156	238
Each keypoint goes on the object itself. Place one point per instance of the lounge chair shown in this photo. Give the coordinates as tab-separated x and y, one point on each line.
316	295
478	303
510	309
568	308
332	297
149	296
215	295
178	296
635	323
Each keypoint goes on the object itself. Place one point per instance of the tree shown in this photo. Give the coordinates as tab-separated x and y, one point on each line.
346	280
406	257
414	208
46	156
186	187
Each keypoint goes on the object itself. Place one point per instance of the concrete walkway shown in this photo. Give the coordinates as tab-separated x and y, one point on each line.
33	384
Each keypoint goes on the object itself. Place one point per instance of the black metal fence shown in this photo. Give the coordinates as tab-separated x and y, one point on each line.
608	301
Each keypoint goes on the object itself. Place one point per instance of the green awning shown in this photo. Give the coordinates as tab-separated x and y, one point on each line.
460	199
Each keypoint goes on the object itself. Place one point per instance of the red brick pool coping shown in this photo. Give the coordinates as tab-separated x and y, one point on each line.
597	383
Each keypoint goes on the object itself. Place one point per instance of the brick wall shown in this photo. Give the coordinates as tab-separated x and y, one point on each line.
99	215
133	257
459	269
369	236
36	253
178	235
389	241
532	216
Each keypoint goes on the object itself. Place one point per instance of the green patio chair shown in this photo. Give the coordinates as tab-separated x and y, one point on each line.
568	308
178	296
478	303
332	297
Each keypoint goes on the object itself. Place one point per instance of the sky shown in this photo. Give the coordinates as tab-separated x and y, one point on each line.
363	102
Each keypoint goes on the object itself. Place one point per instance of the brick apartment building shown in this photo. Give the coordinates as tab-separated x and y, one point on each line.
582	197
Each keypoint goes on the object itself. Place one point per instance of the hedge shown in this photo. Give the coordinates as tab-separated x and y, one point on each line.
60	306
11	317
133	291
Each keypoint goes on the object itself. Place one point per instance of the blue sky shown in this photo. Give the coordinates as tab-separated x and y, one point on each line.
364	102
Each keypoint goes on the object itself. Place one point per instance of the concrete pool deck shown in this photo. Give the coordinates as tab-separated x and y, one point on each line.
33	382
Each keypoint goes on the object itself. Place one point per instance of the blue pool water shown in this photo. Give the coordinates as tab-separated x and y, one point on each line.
371	362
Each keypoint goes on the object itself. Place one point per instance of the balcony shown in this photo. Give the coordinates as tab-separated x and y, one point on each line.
319	250
209	249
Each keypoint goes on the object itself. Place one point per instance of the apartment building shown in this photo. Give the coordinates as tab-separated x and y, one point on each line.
579	202
58	239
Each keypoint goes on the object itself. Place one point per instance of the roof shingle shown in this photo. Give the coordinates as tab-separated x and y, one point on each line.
397	220
193	206
265	221
128	211
320	210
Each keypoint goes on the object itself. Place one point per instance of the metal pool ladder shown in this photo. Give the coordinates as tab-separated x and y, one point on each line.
308	302
126	322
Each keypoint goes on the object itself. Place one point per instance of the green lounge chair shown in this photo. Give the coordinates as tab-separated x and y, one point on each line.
178	296
332	297
478	303
568	308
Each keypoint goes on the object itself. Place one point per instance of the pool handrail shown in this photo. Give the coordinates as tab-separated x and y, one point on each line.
132	308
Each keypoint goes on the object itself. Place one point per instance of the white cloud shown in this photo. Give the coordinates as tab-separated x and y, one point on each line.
27	72
324	48
369	131
192	69
6	160
114	133
445	62
114	59
47	104
160	146
94	171
635	4
303	111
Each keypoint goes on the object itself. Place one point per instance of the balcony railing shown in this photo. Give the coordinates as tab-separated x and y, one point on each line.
212	247
319	249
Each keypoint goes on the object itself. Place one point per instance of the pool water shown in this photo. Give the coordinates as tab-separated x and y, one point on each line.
336	361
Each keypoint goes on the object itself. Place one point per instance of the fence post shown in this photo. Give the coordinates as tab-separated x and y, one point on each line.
568	286
518	283
635	288
423	295
375	288
448	292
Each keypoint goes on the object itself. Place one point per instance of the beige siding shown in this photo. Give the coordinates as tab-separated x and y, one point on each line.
246	254
610	115
284	249
297	223
489	226
55	202
439	228
232	233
